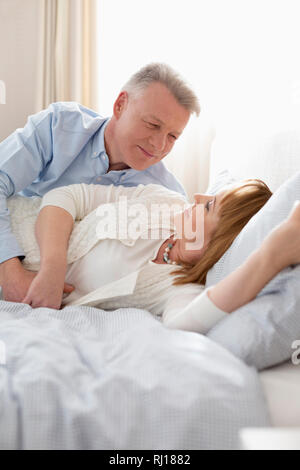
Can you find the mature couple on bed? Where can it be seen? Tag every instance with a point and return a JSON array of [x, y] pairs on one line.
[[75, 162]]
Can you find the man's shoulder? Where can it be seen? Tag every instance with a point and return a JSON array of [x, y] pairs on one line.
[[73, 107], [74, 116], [159, 174]]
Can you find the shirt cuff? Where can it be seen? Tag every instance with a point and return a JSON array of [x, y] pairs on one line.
[[200, 315], [206, 313], [10, 249]]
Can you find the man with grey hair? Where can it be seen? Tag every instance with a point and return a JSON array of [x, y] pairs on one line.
[[68, 143]]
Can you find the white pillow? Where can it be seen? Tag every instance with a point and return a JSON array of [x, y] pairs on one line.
[[273, 156], [223, 178], [262, 332]]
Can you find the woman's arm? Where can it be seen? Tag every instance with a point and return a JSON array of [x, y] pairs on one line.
[[243, 284], [280, 249], [59, 208], [52, 229], [201, 312], [191, 309], [81, 199]]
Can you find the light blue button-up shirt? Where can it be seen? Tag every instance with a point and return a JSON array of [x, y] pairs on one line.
[[61, 145]]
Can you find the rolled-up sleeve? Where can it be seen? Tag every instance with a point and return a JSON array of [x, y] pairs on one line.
[[192, 311]]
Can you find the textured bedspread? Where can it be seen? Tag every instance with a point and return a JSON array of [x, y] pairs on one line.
[[85, 378]]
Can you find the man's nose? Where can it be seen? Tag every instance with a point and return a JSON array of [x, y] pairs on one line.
[[158, 141]]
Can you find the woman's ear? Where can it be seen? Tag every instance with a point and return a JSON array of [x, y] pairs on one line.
[[120, 104]]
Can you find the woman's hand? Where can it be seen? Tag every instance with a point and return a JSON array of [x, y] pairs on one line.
[[283, 242], [47, 288]]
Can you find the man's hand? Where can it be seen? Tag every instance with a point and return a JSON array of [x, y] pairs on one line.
[[16, 281]]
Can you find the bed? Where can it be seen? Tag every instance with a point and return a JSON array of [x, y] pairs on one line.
[[85, 378], [281, 385]]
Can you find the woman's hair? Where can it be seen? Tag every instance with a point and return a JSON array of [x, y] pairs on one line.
[[236, 208], [163, 73]]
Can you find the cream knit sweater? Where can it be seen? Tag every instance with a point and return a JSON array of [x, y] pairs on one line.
[[81, 201], [153, 290]]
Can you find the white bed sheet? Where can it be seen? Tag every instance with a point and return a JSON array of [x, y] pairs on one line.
[[281, 385]]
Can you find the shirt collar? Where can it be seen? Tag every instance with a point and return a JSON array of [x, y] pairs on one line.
[[98, 147]]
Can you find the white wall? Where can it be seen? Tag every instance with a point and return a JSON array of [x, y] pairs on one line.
[[18, 61], [240, 56]]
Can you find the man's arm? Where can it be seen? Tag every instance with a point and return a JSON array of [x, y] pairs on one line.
[[9, 246], [23, 155]]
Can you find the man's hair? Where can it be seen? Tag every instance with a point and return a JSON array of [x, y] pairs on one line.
[[163, 73], [237, 206]]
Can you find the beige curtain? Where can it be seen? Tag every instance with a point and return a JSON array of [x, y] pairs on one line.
[[68, 44], [2, 92]]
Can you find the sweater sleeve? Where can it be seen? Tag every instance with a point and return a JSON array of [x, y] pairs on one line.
[[81, 199], [192, 311]]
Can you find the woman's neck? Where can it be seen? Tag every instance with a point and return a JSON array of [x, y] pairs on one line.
[[159, 257]]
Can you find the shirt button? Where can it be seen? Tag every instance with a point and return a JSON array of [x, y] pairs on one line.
[[103, 157], [99, 178], [95, 153]]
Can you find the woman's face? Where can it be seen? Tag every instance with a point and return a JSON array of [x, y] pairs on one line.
[[196, 225]]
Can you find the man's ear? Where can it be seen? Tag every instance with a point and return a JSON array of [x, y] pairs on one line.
[[120, 104]]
